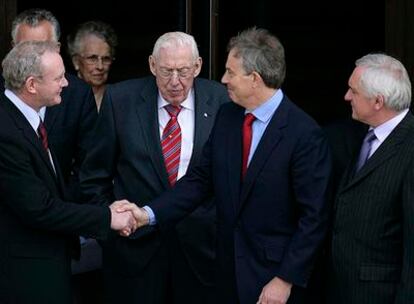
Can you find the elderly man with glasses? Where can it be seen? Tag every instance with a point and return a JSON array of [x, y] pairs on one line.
[[150, 131]]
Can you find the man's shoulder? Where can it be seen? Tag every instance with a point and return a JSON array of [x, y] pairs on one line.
[[77, 92], [8, 116], [298, 116], [210, 86], [133, 82], [133, 87]]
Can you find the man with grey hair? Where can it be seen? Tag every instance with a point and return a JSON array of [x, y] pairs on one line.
[[268, 165], [149, 132], [38, 228], [372, 246], [69, 122], [68, 125]]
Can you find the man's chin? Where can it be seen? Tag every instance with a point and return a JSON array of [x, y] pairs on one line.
[[55, 102], [176, 99]]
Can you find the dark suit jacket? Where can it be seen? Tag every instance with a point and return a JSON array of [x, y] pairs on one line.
[[37, 228], [68, 125], [126, 161], [344, 138], [272, 223], [373, 235]]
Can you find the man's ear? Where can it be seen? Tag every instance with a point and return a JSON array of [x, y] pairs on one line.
[[379, 102], [151, 62], [257, 79], [30, 85], [198, 64]]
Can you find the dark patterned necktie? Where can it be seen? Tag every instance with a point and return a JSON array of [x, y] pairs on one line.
[[171, 143], [41, 130], [247, 139]]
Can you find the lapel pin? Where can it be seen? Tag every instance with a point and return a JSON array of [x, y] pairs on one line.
[[205, 115]]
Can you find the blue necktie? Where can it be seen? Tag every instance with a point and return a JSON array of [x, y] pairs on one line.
[[365, 149]]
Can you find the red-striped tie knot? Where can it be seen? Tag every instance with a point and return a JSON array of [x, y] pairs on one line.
[[173, 110]]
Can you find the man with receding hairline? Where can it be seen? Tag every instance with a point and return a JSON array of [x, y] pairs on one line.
[[38, 228], [150, 131]]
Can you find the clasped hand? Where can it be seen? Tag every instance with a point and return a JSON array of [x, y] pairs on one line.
[[126, 217]]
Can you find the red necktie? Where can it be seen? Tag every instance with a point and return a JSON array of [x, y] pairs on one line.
[[247, 139], [41, 130], [171, 143]]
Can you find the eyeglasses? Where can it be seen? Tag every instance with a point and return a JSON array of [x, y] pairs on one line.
[[182, 73], [94, 59]]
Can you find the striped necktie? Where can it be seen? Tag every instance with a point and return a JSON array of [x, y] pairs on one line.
[[365, 149], [171, 143]]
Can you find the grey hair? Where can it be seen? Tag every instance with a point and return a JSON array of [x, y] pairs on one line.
[[33, 17], [386, 76], [260, 52], [99, 29], [175, 39], [24, 60]]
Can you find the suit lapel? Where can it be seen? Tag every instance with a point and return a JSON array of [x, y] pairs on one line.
[[234, 155], [28, 133], [203, 121], [267, 144], [385, 151], [147, 112]]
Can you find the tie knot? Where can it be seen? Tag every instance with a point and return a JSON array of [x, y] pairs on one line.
[[41, 128], [172, 110], [370, 136], [248, 119]]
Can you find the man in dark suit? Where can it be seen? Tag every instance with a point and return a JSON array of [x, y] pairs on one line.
[[68, 125], [372, 244], [38, 229], [269, 181], [344, 138], [130, 161]]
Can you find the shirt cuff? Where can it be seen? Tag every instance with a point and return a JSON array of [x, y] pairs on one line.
[[151, 215]]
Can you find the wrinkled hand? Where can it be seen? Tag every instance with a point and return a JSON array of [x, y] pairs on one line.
[[123, 221], [277, 291]]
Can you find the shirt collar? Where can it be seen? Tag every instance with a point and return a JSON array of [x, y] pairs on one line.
[[383, 130], [265, 111], [31, 115], [188, 103]]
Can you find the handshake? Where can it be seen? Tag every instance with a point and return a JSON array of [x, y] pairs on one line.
[[126, 217]]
